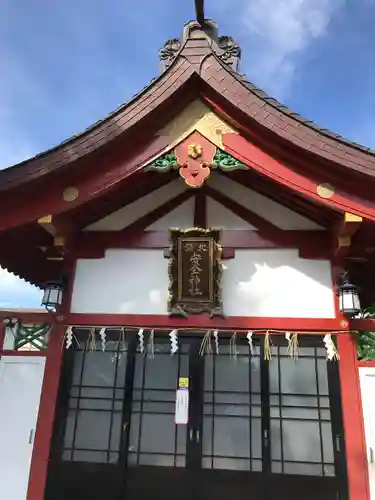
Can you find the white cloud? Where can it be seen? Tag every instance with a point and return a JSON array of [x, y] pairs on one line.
[[279, 31]]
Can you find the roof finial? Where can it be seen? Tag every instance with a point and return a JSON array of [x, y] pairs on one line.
[[199, 10]]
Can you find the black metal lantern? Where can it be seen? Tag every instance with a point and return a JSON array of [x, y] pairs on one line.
[[52, 297], [349, 302]]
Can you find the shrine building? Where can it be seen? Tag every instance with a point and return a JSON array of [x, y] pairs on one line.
[[206, 255]]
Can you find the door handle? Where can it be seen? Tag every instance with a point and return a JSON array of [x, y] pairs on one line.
[[198, 436], [371, 453], [191, 434], [338, 444], [31, 435], [265, 436], [125, 426]]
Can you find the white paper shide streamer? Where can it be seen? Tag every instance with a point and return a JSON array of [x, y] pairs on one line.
[[249, 337], [141, 339], [216, 339], [103, 338], [174, 341], [69, 337], [332, 353]]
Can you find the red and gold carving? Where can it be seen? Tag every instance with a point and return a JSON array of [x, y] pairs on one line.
[[194, 157]]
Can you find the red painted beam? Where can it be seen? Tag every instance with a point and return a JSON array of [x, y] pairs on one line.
[[366, 364], [26, 317], [363, 324], [311, 244], [193, 321], [200, 209], [252, 156], [91, 185], [311, 164]]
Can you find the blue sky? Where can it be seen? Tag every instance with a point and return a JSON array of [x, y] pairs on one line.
[[66, 64]]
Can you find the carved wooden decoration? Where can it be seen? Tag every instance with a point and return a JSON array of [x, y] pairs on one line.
[[194, 158], [195, 272]]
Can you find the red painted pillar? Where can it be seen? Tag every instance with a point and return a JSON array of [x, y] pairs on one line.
[[353, 419], [47, 407], [43, 434]]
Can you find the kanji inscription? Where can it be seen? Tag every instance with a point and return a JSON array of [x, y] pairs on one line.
[[195, 271]]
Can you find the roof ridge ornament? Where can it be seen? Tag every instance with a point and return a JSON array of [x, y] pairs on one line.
[[168, 53], [225, 47], [231, 51]]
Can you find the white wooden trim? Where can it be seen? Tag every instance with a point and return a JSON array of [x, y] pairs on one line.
[[20, 391], [367, 382]]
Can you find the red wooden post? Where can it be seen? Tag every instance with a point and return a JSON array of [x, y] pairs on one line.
[[353, 419], [47, 407], [43, 435]]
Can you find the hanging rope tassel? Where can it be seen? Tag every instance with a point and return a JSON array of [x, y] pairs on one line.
[[250, 340], [150, 349], [268, 347], [91, 341], [174, 341], [332, 353], [122, 340], [206, 347], [293, 345], [216, 338], [233, 346], [103, 338]]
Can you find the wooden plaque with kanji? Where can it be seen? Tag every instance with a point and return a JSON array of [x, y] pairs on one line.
[[195, 272]]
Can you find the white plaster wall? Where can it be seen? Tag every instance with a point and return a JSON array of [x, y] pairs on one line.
[[270, 283], [219, 217], [277, 283], [182, 217], [124, 282], [127, 215], [282, 217]]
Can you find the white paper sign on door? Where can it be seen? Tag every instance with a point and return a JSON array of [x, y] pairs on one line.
[[182, 406]]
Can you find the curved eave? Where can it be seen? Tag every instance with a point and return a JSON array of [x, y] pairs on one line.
[[262, 110], [288, 126], [120, 122]]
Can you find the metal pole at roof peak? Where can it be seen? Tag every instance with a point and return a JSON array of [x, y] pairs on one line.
[[199, 10]]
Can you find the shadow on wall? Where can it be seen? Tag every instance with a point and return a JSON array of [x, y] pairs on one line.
[[269, 283], [277, 283]]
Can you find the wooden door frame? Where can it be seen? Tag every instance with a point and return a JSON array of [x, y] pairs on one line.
[[350, 394]]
